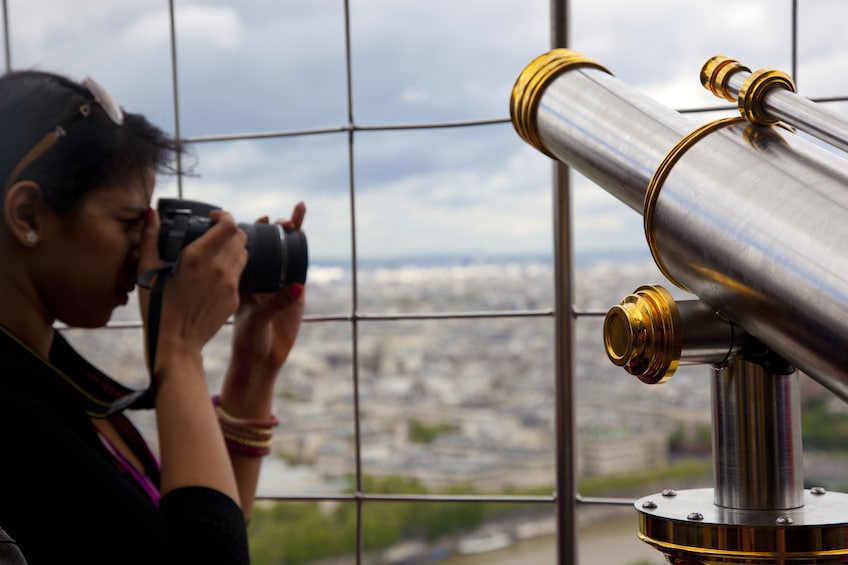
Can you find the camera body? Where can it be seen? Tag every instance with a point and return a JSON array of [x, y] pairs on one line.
[[276, 258]]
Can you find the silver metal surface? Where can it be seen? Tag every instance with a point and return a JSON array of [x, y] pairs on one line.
[[609, 131], [566, 434], [798, 111], [757, 454], [816, 510], [175, 95], [707, 337], [690, 528], [7, 48], [752, 220]]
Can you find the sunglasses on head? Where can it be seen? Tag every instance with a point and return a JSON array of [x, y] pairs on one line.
[[99, 96]]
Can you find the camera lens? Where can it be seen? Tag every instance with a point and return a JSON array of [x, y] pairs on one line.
[[298, 257], [275, 258]]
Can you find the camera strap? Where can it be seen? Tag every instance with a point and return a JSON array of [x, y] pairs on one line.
[[154, 280], [66, 372]]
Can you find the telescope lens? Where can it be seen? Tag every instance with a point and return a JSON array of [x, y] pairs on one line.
[[618, 336]]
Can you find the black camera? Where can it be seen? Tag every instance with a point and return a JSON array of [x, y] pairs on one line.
[[275, 257]]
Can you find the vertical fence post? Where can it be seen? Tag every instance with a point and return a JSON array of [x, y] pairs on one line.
[[566, 500]]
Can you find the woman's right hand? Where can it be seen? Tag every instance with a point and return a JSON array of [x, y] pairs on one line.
[[197, 300], [203, 291]]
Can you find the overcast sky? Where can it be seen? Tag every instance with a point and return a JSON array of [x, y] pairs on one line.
[[267, 65]]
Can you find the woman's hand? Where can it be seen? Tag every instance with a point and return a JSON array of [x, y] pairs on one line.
[[266, 324], [197, 299], [264, 331], [203, 291]]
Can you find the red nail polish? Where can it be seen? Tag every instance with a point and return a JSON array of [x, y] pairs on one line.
[[295, 291]]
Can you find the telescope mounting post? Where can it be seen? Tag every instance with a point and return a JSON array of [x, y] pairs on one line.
[[758, 510]]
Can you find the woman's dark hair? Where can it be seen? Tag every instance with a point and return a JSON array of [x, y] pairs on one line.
[[95, 152]]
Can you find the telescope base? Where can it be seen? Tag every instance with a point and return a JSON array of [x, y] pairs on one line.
[[688, 527]]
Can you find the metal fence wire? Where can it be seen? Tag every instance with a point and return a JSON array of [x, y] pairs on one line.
[[566, 500]]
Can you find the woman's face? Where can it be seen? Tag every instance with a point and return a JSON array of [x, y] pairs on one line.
[[90, 256]]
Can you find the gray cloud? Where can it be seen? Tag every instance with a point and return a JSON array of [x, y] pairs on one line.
[[278, 65]]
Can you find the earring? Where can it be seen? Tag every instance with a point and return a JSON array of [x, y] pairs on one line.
[[31, 238]]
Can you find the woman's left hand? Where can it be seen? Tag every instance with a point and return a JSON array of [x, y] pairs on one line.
[[266, 324], [264, 332]]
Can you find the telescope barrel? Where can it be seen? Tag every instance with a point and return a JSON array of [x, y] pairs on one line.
[[751, 219], [581, 121], [767, 96]]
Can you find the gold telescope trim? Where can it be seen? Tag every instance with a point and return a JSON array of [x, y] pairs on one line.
[[715, 73], [643, 334], [716, 556], [754, 89], [655, 186], [530, 85]]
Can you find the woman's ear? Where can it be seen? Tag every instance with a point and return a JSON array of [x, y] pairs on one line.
[[21, 205]]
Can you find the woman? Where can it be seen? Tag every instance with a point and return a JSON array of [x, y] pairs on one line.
[[77, 230]]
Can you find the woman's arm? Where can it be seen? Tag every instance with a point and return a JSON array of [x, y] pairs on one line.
[[69, 504], [197, 300], [264, 332]]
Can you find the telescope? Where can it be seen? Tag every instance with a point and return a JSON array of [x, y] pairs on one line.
[[749, 215]]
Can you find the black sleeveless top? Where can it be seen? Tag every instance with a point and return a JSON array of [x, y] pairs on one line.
[[62, 497]]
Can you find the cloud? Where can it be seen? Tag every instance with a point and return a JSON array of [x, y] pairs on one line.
[[660, 46], [267, 65], [460, 59], [450, 184], [216, 28], [600, 223]]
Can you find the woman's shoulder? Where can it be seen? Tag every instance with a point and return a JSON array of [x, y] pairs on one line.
[[10, 553]]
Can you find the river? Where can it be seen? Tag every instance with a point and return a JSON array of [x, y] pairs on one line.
[[607, 536], [607, 542]]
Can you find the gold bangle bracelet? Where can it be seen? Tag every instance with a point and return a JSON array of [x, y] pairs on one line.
[[260, 444], [246, 433]]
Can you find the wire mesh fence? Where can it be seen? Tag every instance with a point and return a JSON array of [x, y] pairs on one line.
[[554, 318]]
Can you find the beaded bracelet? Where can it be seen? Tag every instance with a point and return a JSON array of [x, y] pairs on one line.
[[250, 437]]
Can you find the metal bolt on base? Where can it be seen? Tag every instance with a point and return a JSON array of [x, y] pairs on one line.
[[815, 533]]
